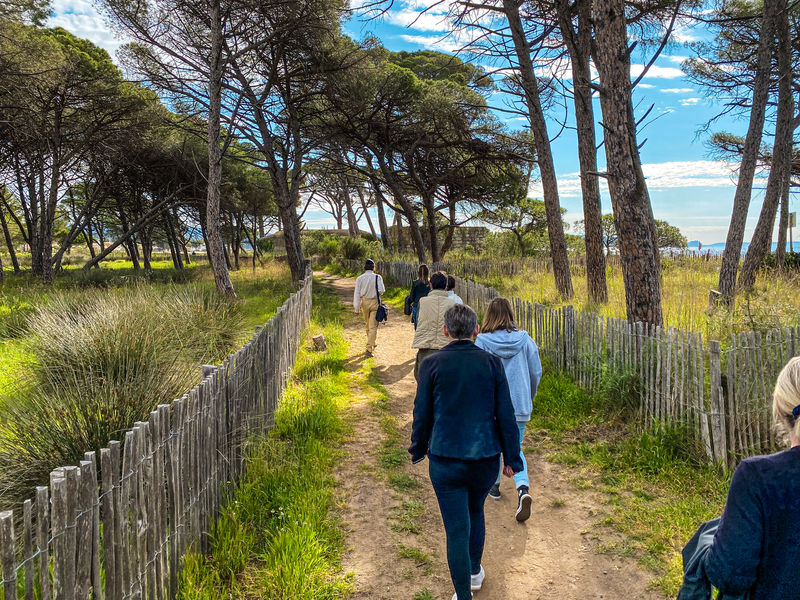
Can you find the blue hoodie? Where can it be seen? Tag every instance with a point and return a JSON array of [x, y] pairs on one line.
[[520, 358]]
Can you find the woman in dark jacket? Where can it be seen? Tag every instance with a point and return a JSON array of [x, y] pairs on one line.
[[756, 548], [463, 421], [419, 289]]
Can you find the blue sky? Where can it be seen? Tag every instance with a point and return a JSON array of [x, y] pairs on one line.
[[687, 187]]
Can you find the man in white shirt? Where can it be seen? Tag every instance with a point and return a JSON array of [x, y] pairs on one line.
[[365, 300]]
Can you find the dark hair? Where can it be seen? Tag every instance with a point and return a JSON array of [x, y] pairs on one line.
[[369, 264], [438, 281], [451, 282], [498, 316], [460, 321], [423, 274]]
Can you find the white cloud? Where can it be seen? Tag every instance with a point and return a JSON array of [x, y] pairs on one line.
[[689, 101], [81, 18], [676, 58], [434, 42], [646, 86], [677, 90], [418, 21], [660, 176], [656, 72]]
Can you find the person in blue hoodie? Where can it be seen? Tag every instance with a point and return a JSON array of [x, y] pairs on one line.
[[520, 357]]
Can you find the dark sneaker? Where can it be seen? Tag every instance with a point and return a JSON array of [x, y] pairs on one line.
[[494, 492], [524, 506]]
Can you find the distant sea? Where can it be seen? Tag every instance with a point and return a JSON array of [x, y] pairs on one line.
[[720, 246]]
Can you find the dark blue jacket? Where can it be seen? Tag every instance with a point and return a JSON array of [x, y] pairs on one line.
[[757, 545], [463, 407]]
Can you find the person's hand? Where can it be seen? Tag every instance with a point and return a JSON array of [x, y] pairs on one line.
[[508, 471]]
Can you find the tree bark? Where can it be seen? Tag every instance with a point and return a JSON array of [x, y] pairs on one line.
[[783, 226], [579, 48], [362, 200], [632, 211], [778, 182], [12, 253], [398, 223], [347, 200], [747, 168], [399, 196], [382, 225], [555, 227], [433, 228], [222, 278]]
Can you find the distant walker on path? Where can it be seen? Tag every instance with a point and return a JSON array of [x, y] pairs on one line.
[[428, 337], [463, 421], [365, 301]]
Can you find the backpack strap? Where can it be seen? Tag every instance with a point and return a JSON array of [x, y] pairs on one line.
[[377, 293]]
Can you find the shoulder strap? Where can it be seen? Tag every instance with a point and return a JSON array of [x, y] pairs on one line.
[[377, 293]]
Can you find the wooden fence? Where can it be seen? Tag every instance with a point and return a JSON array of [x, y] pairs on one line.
[[117, 527], [721, 392]]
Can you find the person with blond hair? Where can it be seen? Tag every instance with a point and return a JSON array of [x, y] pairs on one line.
[[756, 547], [520, 357]]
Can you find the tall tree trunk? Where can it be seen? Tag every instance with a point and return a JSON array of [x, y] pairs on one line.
[[632, 211], [451, 228], [12, 253], [778, 182], [783, 226], [398, 223], [291, 232], [579, 48], [347, 200], [222, 278], [362, 200], [385, 241], [433, 228], [555, 227], [399, 197], [747, 168]]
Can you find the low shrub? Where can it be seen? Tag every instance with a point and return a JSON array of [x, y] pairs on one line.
[[102, 361]]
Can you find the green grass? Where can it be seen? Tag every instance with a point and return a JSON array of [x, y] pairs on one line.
[[655, 487], [425, 594], [83, 359], [278, 536]]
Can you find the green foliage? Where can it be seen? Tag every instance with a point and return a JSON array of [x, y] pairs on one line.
[[265, 245], [791, 261]]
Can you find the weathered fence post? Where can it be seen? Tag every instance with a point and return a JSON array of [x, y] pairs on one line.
[[718, 434]]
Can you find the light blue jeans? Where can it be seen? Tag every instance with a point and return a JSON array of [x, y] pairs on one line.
[[520, 478]]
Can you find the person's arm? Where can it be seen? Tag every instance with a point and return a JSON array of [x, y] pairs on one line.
[[732, 562], [506, 422], [534, 367], [356, 298], [381, 287], [423, 413]]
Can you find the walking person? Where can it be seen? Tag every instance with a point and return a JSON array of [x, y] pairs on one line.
[[463, 422], [419, 289], [520, 357], [755, 551], [429, 337], [365, 301], [451, 290]]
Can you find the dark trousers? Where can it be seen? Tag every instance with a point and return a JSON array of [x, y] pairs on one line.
[[422, 353], [461, 488]]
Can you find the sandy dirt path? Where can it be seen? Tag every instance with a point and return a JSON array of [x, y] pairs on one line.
[[553, 556]]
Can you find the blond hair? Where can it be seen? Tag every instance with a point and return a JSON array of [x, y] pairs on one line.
[[786, 398]]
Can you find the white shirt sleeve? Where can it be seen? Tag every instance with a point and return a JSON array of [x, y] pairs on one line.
[[357, 296], [381, 287]]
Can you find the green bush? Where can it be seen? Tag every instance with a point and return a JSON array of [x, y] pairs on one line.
[[102, 361]]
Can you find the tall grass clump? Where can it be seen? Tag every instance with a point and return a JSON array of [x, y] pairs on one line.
[[277, 537], [102, 360]]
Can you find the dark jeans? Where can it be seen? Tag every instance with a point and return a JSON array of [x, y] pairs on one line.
[[461, 488], [422, 353]]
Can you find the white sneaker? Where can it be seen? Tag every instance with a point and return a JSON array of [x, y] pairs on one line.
[[477, 580], [455, 596]]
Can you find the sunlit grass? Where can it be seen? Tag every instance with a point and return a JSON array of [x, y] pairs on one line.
[[278, 536], [655, 489], [685, 287]]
